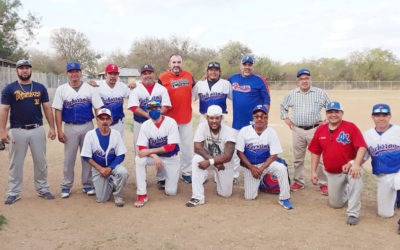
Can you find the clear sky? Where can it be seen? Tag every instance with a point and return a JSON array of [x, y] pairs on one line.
[[284, 31]]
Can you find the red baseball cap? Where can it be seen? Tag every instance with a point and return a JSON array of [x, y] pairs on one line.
[[112, 68]]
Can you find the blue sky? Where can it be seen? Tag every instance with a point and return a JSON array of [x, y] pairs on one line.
[[282, 30]]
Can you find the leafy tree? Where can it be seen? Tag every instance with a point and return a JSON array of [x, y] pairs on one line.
[[72, 45], [10, 23]]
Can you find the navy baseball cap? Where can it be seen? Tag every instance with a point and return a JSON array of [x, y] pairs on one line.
[[215, 65], [248, 59], [146, 67], [381, 108], [334, 106], [73, 66], [23, 63], [260, 108], [303, 72]]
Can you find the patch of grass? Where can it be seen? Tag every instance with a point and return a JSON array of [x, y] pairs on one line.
[[3, 221]]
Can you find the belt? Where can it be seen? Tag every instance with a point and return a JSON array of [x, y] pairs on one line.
[[309, 127], [76, 123], [29, 126]]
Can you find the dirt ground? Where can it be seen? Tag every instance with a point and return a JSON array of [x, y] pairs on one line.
[[222, 223]]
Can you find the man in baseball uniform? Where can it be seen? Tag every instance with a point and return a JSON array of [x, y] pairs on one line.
[[113, 93], [214, 145], [73, 103], [342, 147], [158, 144], [212, 91], [383, 145], [248, 90], [179, 84], [24, 100], [305, 103], [258, 147], [104, 149]]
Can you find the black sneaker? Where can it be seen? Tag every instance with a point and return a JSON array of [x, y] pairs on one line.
[[2, 145], [194, 202], [47, 196], [161, 185], [12, 199]]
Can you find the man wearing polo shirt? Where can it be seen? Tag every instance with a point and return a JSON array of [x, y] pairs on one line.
[[306, 103], [73, 103]]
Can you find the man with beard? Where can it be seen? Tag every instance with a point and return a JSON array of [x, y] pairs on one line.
[[24, 99], [179, 84]]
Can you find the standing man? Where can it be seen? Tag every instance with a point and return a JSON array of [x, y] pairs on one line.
[[212, 91], [342, 147], [214, 145], [248, 90], [104, 149], [258, 147], [73, 103], [179, 84], [306, 103], [113, 93], [24, 100], [383, 143], [158, 144]]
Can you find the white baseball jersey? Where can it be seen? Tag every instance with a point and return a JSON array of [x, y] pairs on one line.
[[217, 95], [257, 148], [139, 97], [76, 106], [152, 137], [384, 150], [214, 144], [92, 149], [113, 98]]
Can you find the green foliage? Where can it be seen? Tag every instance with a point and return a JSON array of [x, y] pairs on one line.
[[3, 221], [10, 23]]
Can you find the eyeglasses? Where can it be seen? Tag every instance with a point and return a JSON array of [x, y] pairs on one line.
[[260, 116]]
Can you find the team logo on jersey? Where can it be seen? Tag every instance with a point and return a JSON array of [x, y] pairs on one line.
[[179, 83], [19, 95], [343, 138], [158, 142], [244, 88], [383, 148], [37, 102], [79, 101], [257, 147], [112, 100], [211, 96]]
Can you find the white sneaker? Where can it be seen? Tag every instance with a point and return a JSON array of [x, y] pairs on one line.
[[65, 193], [119, 201], [89, 191]]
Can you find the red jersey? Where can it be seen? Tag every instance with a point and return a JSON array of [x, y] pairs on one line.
[[337, 147], [180, 92]]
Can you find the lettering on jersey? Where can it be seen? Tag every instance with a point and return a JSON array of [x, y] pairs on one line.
[[143, 101], [37, 101], [99, 154], [112, 100], [211, 96], [244, 88], [71, 103], [19, 95], [179, 83], [383, 148], [343, 138], [257, 147], [158, 142]]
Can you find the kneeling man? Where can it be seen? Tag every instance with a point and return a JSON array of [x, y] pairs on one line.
[[104, 149], [214, 145]]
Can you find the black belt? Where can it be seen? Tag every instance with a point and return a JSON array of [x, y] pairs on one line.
[[76, 123], [29, 126], [308, 127]]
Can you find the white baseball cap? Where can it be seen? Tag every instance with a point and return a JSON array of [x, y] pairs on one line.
[[104, 111], [214, 110]]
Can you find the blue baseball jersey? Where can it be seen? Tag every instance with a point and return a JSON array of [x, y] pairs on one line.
[[25, 102], [247, 92], [217, 95], [384, 149], [76, 106], [258, 148]]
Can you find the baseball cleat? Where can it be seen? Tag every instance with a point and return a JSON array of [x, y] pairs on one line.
[[161, 185], [12, 199], [89, 191], [194, 202], [286, 204], [47, 195], [352, 220], [187, 179], [296, 186], [141, 200], [119, 201], [65, 193], [324, 189]]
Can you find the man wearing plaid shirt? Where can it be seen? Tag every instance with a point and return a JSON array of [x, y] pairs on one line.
[[306, 103]]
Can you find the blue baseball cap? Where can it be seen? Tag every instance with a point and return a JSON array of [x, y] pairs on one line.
[[153, 104], [381, 108], [246, 59], [334, 106], [23, 62], [73, 66], [303, 72], [260, 108]]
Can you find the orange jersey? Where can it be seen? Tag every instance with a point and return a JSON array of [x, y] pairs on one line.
[[180, 92]]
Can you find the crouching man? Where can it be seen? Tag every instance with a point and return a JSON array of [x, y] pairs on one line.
[[214, 145], [104, 149]]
